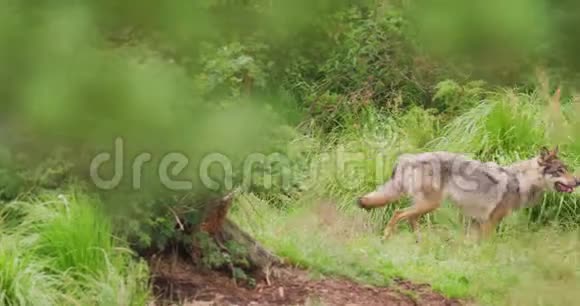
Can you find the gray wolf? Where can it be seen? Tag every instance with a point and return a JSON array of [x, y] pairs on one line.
[[484, 191]]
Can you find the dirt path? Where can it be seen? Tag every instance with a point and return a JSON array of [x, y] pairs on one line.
[[181, 282]]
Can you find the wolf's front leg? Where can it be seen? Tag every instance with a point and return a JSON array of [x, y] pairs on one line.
[[486, 229]]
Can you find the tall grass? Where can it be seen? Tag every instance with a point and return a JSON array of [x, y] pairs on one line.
[[61, 251], [532, 261], [23, 280], [508, 127], [77, 237], [504, 123], [505, 126]]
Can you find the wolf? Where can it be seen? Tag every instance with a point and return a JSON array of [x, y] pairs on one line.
[[485, 192]]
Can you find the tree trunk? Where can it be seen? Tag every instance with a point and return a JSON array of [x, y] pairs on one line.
[[221, 229]]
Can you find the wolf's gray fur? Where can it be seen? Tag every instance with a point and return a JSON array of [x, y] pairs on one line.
[[484, 191]]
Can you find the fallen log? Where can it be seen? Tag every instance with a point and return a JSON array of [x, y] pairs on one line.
[[258, 255]]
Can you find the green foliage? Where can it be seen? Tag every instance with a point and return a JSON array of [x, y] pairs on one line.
[[419, 125], [364, 79], [230, 255], [215, 256], [81, 94], [498, 41], [50, 172], [23, 280], [78, 237], [61, 250], [234, 68], [150, 226], [371, 64], [370, 58], [452, 98], [503, 42], [505, 123]]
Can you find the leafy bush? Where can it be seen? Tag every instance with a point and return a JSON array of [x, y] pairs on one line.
[[371, 63], [235, 69], [230, 256], [451, 98]]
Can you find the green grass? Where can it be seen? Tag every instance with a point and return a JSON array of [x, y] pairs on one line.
[[63, 251], [78, 237], [23, 280], [517, 267], [534, 259], [59, 251]]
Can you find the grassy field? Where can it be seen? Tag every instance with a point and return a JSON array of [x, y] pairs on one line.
[[520, 266]]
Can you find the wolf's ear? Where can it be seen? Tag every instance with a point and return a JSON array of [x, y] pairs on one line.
[[544, 156], [544, 152], [555, 151]]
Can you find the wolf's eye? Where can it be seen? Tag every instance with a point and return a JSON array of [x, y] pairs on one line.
[[561, 171]]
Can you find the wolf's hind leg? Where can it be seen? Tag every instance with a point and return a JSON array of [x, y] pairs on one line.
[[421, 206], [386, 195]]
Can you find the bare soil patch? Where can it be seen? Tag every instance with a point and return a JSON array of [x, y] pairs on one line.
[[179, 283]]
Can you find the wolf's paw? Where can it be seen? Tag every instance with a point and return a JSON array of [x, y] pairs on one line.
[[386, 236], [418, 239]]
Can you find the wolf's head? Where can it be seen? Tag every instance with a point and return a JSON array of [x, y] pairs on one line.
[[555, 173]]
